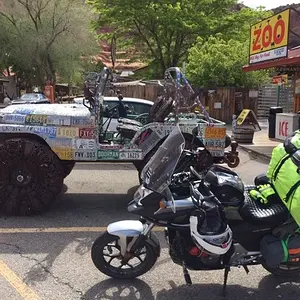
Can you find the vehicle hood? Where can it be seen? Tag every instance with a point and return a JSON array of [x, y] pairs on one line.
[[55, 110], [69, 110], [15, 102]]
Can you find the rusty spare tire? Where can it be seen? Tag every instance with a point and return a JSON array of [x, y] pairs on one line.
[[31, 176]]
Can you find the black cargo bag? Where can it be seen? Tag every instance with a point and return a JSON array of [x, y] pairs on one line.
[[276, 251]]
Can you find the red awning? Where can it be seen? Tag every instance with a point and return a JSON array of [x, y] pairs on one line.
[[292, 59]]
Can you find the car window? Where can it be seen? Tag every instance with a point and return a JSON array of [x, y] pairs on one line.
[[110, 104], [29, 96], [135, 108]]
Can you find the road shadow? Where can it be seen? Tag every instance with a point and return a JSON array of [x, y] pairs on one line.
[[87, 208], [104, 166], [120, 290], [269, 288]]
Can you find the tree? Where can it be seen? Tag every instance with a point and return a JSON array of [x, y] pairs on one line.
[[237, 26], [44, 38], [163, 30], [217, 62]]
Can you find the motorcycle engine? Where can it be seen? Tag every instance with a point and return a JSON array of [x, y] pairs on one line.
[[183, 248], [206, 258]]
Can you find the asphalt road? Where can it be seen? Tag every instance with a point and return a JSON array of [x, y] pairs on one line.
[[48, 256]]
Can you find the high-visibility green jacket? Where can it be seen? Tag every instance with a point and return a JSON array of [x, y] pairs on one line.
[[284, 173]]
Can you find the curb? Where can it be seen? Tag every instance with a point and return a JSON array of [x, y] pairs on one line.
[[245, 148], [259, 154]]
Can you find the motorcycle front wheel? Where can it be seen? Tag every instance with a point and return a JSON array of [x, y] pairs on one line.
[[107, 258]]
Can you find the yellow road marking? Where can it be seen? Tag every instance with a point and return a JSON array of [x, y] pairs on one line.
[[60, 229], [23, 289]]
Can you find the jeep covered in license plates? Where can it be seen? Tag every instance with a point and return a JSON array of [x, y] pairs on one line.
[[39, 144]]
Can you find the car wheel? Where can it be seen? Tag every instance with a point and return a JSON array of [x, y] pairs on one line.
[[31, 176]]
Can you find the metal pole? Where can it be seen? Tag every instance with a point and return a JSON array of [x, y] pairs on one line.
[[277, 95]]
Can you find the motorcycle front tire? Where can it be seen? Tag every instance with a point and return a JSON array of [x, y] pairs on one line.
[[102, 265]]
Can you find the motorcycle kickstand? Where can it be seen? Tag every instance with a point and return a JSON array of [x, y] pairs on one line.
[[227, 270], [186, 274]]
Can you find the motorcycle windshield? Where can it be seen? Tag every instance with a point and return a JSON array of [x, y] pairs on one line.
[[158, 172]]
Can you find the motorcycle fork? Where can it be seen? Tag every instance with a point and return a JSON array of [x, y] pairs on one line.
[[128, 249]]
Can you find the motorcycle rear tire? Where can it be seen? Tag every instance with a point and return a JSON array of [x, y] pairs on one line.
[[279, 272], [102, 265]]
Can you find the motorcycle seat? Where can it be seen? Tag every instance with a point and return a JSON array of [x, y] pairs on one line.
[[261, 179], [255, 212], [130, 122]]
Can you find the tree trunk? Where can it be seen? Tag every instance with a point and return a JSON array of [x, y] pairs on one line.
[[51, 69]]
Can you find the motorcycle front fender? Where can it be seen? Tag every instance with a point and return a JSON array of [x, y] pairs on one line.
[[131, 228], [125, 228]]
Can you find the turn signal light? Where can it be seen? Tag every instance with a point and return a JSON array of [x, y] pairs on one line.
[[162, 204]]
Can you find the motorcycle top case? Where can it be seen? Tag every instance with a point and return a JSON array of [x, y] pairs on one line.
[[284, 173]]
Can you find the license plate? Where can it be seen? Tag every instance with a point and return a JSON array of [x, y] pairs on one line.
[[67, 132], [64, 154], [59, 121], [215, 133], [216, 153], [36, 119], [130, 155], [85, 155], [215, 143], [108, 154]]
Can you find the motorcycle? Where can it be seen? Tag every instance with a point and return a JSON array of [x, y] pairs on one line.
[[194, 211]]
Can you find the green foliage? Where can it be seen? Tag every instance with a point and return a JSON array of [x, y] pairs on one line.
[[162, 30], [44, 38], [237, 26], [218, 62]]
